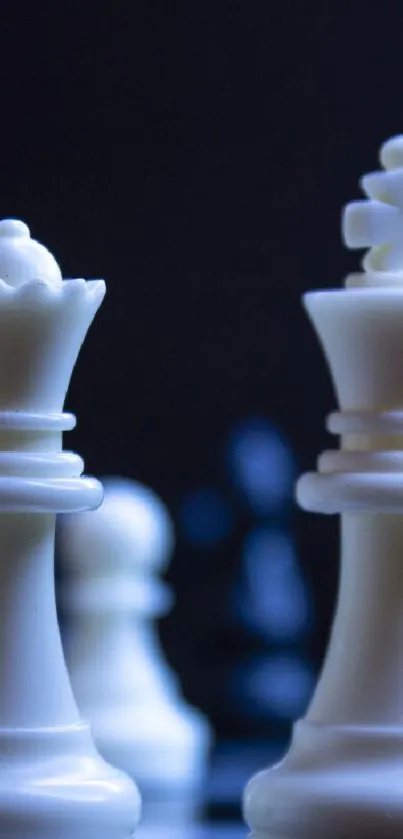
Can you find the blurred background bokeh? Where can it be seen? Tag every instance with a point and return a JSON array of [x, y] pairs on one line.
[[196, 155]]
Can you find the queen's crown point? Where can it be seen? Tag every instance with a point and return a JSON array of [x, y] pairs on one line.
[[23, 259], [10, 228], [391, 153]]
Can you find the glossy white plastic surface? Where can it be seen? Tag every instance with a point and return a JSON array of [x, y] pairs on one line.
[[112, 597], [342, 774], [53, 783]]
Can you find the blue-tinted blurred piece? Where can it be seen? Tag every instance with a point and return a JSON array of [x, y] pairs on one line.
[[273, 599], [205, 517], [281, 684], [261, 464]]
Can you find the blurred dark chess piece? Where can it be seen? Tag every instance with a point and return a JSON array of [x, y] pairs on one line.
[[259, 674]]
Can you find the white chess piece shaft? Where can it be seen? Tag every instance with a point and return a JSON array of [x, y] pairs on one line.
[[111, 597], [341, 776], [35, 686], [53, 783]]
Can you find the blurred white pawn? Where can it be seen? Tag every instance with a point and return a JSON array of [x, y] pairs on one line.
[[121, 681]]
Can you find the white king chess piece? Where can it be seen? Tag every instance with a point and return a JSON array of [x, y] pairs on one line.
[[53, 783], [111, 596], [342, 777]]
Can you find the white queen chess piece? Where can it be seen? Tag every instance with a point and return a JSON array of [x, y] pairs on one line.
[[110, 597], [342, 775], [53, 783]]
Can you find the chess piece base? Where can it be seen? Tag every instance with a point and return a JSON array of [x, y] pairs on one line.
[[336, 782], [49, 779]]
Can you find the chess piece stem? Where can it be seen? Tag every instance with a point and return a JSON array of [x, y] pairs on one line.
[[30, 648]]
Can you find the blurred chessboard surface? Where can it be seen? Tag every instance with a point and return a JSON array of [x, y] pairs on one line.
[[207, 831]]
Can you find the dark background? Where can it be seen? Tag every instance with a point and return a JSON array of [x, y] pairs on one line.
[[197, 154]]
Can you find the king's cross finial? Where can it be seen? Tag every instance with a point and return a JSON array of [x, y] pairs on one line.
[[377, 223]]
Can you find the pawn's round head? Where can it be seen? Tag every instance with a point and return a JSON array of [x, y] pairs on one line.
[[132, 527], [23, 259]]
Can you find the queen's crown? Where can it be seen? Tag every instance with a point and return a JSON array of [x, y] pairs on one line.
[[43, 322]]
